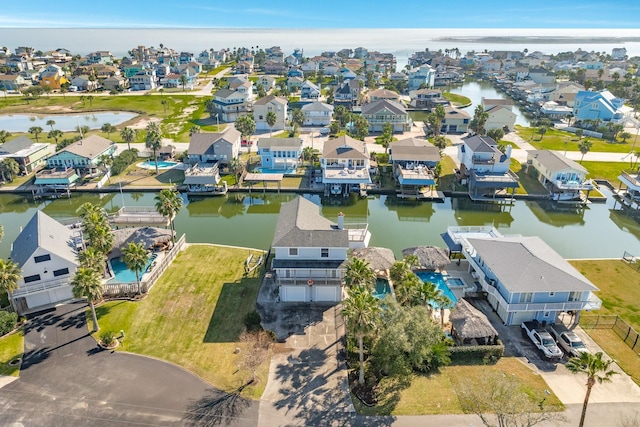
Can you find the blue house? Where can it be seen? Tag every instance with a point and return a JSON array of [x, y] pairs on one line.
[[598, 105], [295, 72], [280, 154], [523, 277]]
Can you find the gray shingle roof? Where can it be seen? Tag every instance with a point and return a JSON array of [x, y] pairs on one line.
[[44, 232], [301, 225], [202, 142], [554, 161], [90, 147], [15, 145], [344, 147], [415, 149], [481, 144], [269, 98], [528, 264], [280, 143], [383, 104]]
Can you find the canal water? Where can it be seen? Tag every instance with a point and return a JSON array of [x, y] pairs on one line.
[[597, 231], [64, 122]]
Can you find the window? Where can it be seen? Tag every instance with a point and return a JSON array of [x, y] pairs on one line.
[[60, 272], [324, 253], [525, 297], [552, 294], [33, 278], [293, 251], [42, 258], [575, 296], [547, 314]]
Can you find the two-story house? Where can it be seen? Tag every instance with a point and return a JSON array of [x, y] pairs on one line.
[[28, 154], [414, 162], [380, 94], [564, 178], [12, 82], [345, 166], [426, 99], [143, 80], [485, 168], [230, 104], [294, 83], [310, 252], [455, 120], [384, 111], [309, 90], [270, 104], [603, 106], [317, 114], [100, 57], [523, 277], [279, 154], [347, 93], [83, 156], [45, 251], [205, 147], [54, 79]]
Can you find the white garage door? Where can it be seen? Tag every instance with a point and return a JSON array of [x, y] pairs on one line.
[[62, 294], [293, 294], [327, 293], [36, 300]]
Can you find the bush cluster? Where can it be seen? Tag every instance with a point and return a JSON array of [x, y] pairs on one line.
[[108, 338], [252, 321], [476, 353], [123, 160], [8, 322]]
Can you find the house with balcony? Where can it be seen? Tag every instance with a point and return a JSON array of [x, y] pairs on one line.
[[603, 106], [523, 278], [270, 104], [203, 178], [500, 117], [294, 83], [317, 114], [143, 80], [345, 166], [46, 252], [426, 99], [310, 252], [100, 57], [486, 169], [309, 90], [414, 162], [455, 121], [629, 189], [230, 104], [212, 147], [564, 178], [347, 94], [28, 154], [280, 154], [83, 156], [385, 111], [379, 94]]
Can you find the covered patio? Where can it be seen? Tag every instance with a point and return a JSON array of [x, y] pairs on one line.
[[428, 257], [469, 326], [380, 259]]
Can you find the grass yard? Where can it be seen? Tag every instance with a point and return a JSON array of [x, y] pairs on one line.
[[606, 170], [136, 176], [418, 116], [11, 347], [611, 343], [193, 316], [528, 183], [447, 181], [457, 100], [436, 393], [555, 139]]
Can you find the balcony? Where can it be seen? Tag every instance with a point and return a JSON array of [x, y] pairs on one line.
[[30, 288], [632, 180]]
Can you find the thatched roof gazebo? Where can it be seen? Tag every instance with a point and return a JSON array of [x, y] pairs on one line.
[[150, 237], [429, 257], [380, 259], [470, 326]]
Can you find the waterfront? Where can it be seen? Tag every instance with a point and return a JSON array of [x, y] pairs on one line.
[[240, 220], [63, 122]]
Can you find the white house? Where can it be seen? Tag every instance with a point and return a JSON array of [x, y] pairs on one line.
[[345, 165], [500, 118], [46, 252], [564, 178], [270, 103], [317, 114]]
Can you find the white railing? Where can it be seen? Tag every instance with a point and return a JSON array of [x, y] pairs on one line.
[[39, 287]]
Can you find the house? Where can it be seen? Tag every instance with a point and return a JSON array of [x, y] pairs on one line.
[[414, 162], [309, 90], [455, 121], [330, 68], [309, 67], [426, 99], [485, 168], [84, 83], [310, 252], [12, 82], [554, 111], [100, 57], [28, 154], [384, 111], [347, 74], [275, 67], [230, 104], [421, 77], [265, 105], [564, 178], [143, 80], [116, 83], [243, 67], [378, 94], [541, 75], [54, 79], [347, 93], [244, 87], [523, 277], [267, 82], [204, 177], [46, 252], [83, 156], [205, 147], [317, 114], [294, 83], [279, 154], [618, 53], [603, 106], [500, 117], [565, 93], [345, 165], [174, 80]]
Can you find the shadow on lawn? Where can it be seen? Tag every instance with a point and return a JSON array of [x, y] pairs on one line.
[[235, 301]]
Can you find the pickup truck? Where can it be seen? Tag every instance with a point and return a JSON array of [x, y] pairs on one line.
[[568, 340], [541, 339]]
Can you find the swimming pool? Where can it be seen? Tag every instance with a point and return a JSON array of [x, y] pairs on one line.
[[454, 282], [121, 274], [150, 164], [290, 171], [382, 288], [438, 280]]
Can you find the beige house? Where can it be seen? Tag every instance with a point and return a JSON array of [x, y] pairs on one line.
[[270, 103], [28, 154], [384, 111], [500, 117], [379, 94], [564, 178], [455, 121]]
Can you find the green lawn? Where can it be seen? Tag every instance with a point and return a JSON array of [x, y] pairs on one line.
[[528, 183], [11, 347], [436, 393], [447, 180], [457, 100], [418, 116], [193, 316], [560, 140], [606, 170]]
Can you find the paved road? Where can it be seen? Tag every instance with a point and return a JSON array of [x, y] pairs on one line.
[[67, 381]]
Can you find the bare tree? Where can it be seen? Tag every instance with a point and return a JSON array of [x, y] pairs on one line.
[[254, 351]]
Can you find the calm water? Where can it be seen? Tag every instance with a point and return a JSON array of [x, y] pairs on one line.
[[64, 122], [237, 219]]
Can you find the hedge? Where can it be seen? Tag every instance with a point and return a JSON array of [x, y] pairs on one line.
[[8, 322], [467, 353]]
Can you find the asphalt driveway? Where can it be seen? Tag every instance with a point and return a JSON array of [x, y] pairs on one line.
[[66, 380]]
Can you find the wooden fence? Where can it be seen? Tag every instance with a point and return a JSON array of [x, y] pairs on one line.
[[626, 333]]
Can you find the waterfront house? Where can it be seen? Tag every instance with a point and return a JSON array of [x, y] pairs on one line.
[[422, 77], [345, 165], [455, 121], [485, 168], [317, 114], [310, 252], [294, 83], [414, 161], [309, 90], [379, 94], [83, 156], [541, 75], [385, 111], [100, 57], [12, 82], [618, 53], [28, 154], [230, 104], [426, 99], [265, 105], [206, 147], [564, 178], [523, 277], [500, 117], [204, 177], [279, 154], [603, 106], [555, 111], [45, 251]]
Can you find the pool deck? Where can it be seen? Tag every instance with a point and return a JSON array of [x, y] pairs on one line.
[[459, 271]]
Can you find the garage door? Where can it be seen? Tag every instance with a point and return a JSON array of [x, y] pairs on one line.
[[62, 294], [36, 300], [326, 293], [293, 294], [523, 316]]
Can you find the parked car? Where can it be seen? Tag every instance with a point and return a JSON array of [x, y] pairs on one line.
[[541, 339], [246, 142], [568, 340]]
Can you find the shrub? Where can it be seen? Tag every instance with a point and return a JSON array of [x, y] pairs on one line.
[[123, 160], [252, 321], [8, 322], [475, 353], [108, 338]]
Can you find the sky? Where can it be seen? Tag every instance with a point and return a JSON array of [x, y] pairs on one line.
[[321, 14]]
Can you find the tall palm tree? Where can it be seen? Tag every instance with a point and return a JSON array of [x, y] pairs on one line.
[[596, 368], [9, 277], [136, 257], [55, 134], [359, 273], [87, 283], [128, 135], [108, 128], [361, 312], [443, 302], [51, 123], [169, 203], [101, 238], [584, 148], [36, 131], [271, 121], [92, 258], [236, 168], [153, 142]]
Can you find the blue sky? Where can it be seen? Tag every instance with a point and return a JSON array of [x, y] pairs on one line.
[[322, 14]]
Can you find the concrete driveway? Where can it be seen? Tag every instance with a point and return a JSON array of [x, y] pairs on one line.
[[66, 380]]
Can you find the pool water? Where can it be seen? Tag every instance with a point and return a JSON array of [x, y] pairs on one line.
[[289, 171], [122, 274], [150, 164], [382, 288], [454, 282], [438, 280]]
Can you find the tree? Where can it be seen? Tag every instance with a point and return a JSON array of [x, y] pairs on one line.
[[361, 127], [10, 274], [246, 126], [297, 116], [183, 81], [584, 148], [495, 134], [236, 168], [542, 130], [92, 258], [255, 349], [153, 141], [194, 129], [136, 257], [440, 142], [35, 130], [55, 134], [579, 133], [128, 135], [358, 272], [271, 121], [90, 98], [624, 136], [4, 135], [361, 312], [436, 118], [108, 128], [9, 168], [51, 123], [308, 154], [168, 203], [479, 120], [443, 302], [86, 282], [387, 136], [597, 370]]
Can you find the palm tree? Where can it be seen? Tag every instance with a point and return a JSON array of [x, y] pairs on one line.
[[9, 277], [271, 121], [55, 134], [443, 302], [584, 148], [153, 141], [4, 135], [92, 258], [136, 257], [108, 128], [183, 81], [169, 203], [86, 282], [359, 273], [236, 168], [9, 168], [128, 135], [51, 123], [596, 368], [360, 310], [35, 130]]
